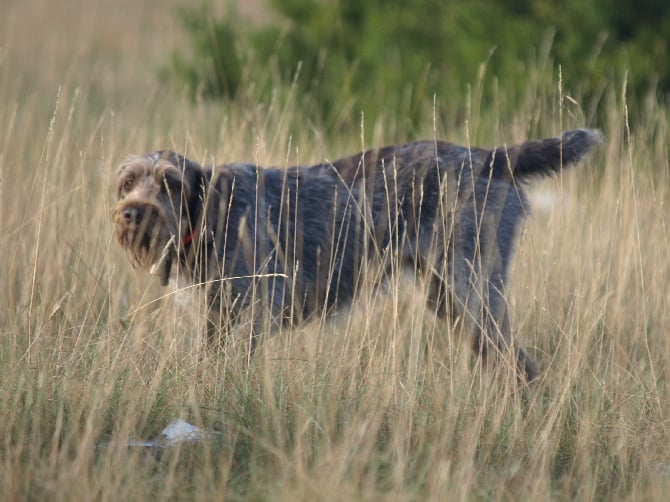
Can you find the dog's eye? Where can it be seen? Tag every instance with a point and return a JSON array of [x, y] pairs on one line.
[[127, 185]]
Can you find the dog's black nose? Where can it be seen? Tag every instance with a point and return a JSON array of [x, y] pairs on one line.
[[133, 215]]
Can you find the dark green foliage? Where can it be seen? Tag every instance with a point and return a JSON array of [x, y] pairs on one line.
[[394, 55], [213, 68]]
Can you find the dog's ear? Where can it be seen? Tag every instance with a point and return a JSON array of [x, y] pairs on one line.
[[191, 177], [218, 199], [197, 180], [194, 186]]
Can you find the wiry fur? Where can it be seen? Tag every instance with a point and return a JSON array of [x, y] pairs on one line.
[[286, 243]]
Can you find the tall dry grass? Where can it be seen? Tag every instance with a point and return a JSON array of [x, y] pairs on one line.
[[381, 402]]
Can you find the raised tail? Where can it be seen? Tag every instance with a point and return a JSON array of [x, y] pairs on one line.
[[546, 156]]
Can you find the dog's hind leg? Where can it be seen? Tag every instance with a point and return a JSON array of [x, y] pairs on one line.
[[482, 309], [494, 329]]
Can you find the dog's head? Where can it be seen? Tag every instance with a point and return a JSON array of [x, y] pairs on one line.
[[159, 196]]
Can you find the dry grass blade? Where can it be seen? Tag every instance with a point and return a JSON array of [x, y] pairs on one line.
[[380, 403]]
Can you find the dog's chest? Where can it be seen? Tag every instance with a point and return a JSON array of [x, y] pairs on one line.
[[184, 291]]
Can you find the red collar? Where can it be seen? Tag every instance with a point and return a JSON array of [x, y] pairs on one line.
[[188, 238]]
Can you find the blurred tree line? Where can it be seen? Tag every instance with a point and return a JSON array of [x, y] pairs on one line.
[[394, 55]]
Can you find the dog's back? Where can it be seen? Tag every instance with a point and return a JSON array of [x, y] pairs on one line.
[[531, 158]]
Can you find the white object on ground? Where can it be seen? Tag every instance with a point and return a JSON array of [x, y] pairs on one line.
[[178, 431]]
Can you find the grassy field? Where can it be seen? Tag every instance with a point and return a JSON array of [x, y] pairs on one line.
[[381, 403]]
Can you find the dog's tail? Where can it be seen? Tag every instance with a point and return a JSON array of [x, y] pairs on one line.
[[546, 156]]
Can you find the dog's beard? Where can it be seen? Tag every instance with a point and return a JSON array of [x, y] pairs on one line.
[[147, 244]]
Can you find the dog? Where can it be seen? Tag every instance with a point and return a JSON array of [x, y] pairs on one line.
[[287, 243]]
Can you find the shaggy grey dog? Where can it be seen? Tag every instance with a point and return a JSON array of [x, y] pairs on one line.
[[285, 244]]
